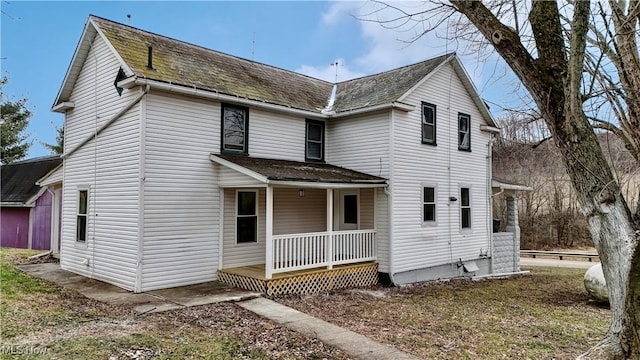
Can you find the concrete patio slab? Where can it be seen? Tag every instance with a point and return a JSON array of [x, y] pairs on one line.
[[146, 302]]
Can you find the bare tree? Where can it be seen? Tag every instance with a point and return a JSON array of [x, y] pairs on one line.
[[547, 51]]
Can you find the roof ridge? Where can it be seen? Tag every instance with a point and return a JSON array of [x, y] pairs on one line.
[[446, 55], [210, 50]]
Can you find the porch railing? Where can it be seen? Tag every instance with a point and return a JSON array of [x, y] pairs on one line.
[[293, 252]]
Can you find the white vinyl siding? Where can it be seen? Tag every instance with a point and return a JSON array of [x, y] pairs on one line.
[[416, 246], [276, 136], [293, 214], [182, 200], [108, 165], [360, 143]]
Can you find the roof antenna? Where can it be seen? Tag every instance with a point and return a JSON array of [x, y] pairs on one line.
[[129, 17], [336, 65], [253, 46]]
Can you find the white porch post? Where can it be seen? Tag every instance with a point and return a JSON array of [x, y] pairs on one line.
[[329, 248], [268, 266]]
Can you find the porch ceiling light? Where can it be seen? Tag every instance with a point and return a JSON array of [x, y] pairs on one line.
[[301, 192]]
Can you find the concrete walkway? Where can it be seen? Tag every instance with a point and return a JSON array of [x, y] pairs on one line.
[[354, 344]]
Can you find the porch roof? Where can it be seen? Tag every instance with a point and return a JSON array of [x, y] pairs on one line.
[[502, 184], [296, 173]]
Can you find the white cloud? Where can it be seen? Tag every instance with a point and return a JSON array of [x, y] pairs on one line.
[[328, 72], [388, 46]]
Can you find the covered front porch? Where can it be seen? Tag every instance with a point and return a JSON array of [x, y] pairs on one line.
[[291, 227]]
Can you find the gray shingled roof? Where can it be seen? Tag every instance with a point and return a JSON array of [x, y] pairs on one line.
[[19, 179], [383, 88], [185, 64], [181, 63], [285, 170]]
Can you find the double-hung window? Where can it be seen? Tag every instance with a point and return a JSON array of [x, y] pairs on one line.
[[235, 129], [428, 123], [247, 217], [314, 141], [82, 215], [465, 208], [428, 204], [464, 133]]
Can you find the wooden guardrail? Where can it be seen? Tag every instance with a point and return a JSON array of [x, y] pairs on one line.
[[559, 254]]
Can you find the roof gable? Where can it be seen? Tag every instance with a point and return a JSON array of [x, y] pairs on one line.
[[385, 87], [19, 179]]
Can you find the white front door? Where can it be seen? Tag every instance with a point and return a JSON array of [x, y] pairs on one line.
[[347, 214]]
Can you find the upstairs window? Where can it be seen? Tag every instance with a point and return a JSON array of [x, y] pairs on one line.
[[235, 129], [428, 204], [315, 141], [464, 135], [465, 208], [428, 123], [81, 215]]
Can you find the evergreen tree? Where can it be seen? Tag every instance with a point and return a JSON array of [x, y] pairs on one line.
[[14, 119]]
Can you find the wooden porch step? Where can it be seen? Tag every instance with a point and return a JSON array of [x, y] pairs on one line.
[[301, 282]]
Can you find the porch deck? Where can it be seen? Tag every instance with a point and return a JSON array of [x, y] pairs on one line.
[[306, 281]]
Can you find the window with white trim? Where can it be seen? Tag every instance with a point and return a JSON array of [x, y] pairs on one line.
[[464, 133], [235, 129], [82, 215], [428, 123], [314, 141], [465, 208], [428, 204], [247, 217]]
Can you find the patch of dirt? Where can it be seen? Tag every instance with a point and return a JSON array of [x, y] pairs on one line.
[[93, 328]]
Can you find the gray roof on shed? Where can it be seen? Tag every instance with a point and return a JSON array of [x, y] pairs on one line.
[[19, 178]]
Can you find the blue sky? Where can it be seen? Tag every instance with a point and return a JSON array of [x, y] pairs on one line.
[[38, 40]]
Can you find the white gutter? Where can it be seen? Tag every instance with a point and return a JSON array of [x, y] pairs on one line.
[[325, 185], [393, 105], [194, 91], [16, 204], [106, 124], [491, 129]]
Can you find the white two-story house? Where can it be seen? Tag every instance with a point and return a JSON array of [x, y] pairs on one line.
[[184, 165]]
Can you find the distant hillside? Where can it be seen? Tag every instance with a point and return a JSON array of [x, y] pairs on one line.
[[549, 215]]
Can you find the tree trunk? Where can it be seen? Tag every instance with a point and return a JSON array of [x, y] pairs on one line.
[[553, 80]]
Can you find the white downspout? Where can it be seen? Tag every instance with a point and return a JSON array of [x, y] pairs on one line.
[[141, 192], [490, 201], [388, 191]]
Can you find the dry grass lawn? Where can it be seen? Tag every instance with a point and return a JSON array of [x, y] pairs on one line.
[[545, 315], [41, 321]]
